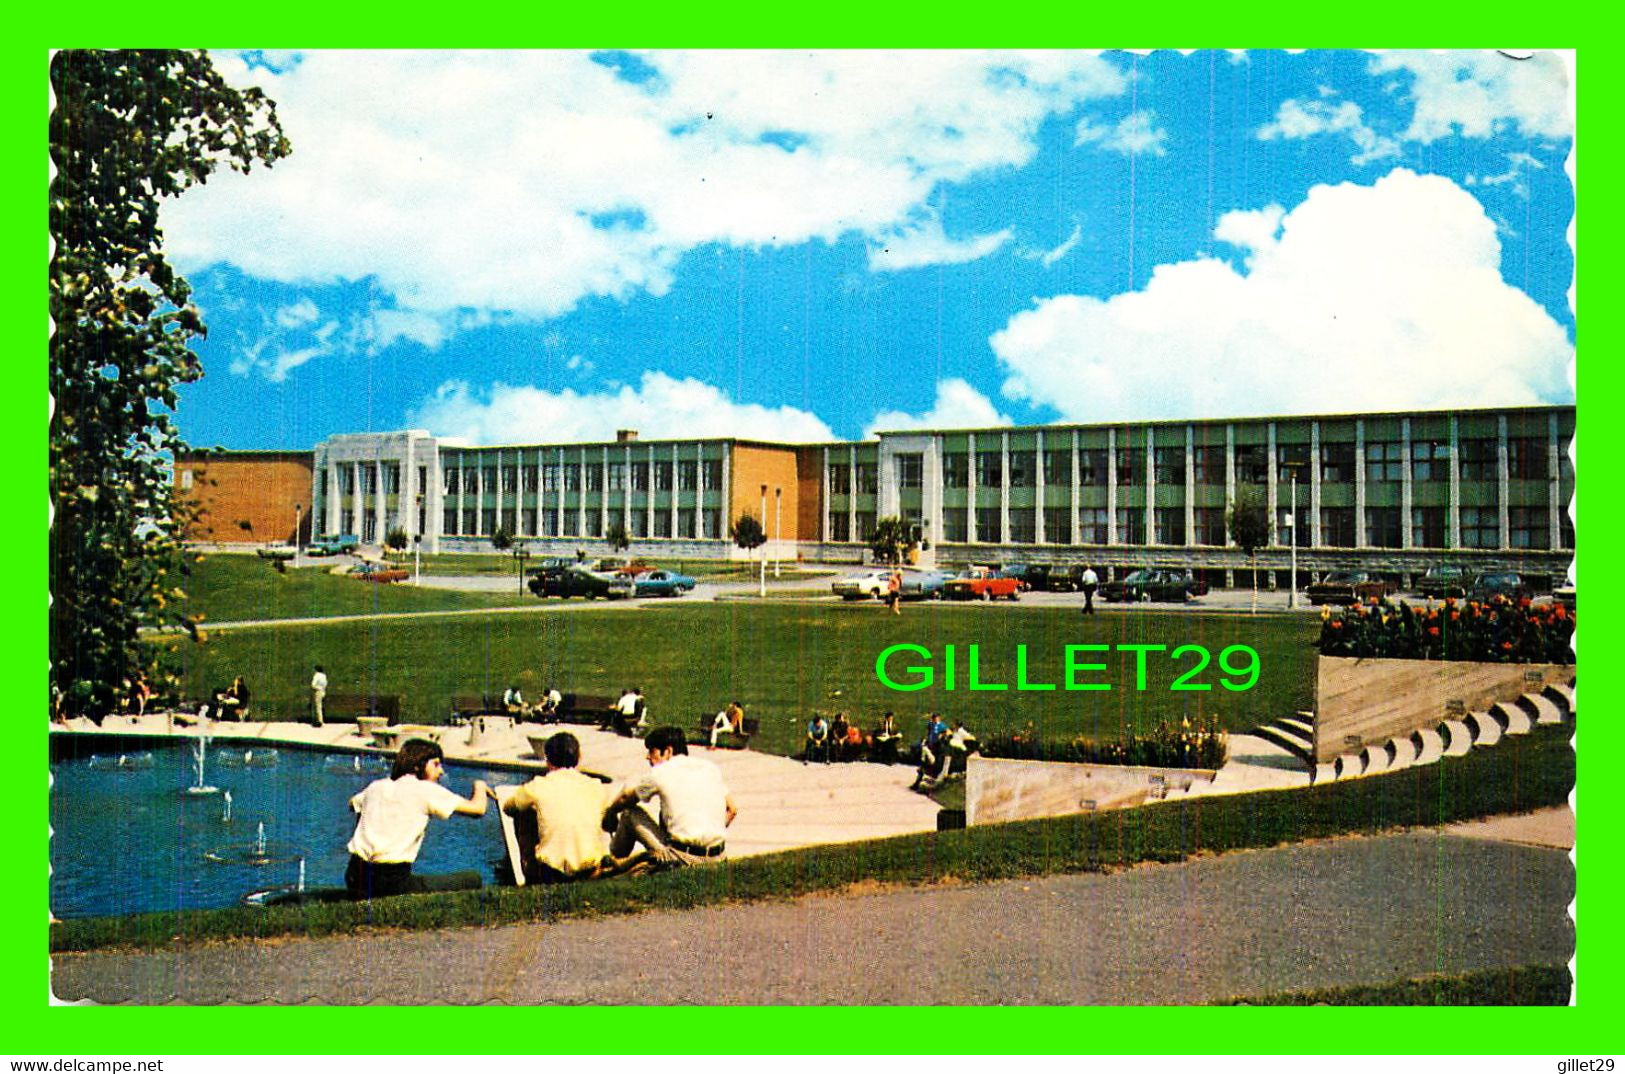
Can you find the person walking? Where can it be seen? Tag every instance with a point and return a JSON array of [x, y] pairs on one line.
[[894, 591], [318, 694], [1091, 581]]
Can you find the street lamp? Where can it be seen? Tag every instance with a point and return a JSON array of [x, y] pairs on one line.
[[298, 516], [761, 516], [1292, 525], [417, 545], [778, 529]]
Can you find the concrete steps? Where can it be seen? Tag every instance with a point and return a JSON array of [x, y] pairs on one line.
[[1458, 737], [1429, 745], [1541, 709]]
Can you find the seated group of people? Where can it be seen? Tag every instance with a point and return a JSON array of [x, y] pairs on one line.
[[515, 705], [942, 752], [841, 740], [585, 828]]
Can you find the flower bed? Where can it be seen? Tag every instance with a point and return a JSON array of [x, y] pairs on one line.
[[1497, 631], [1170, 745]]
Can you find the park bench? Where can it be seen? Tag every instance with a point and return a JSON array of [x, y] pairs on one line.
[[341, 708], [733, 740], [467, 706]]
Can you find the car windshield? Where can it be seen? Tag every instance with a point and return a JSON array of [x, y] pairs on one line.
[[1139, 576], [1343, 578]]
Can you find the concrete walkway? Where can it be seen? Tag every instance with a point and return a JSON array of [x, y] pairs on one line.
[[1339, 912]]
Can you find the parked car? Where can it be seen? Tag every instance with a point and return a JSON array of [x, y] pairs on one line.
[[283, 552], [924, 585], [1154, 583], [1022, 572], [1509, 584], [982, 583], [573, 581], [379, 572], [1348, 587], [1443, 581], [862, 585], [1564, 595], [340, 545], [656, 583]]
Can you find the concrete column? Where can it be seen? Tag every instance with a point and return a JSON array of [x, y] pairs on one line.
[[1454, 513], [1004, 488], [1554, 482], [1229, 487], [603, 492], [649, 500], [359, 500], [1038, 484], [852, 489], [726, 505], [1503, 490], [1270, 498], [1362, 539], [1316, 538], [1190, 486], [1111, 486], [1077, 489], [971, 477], [1150, 485], [676, 491], [1406, 536]]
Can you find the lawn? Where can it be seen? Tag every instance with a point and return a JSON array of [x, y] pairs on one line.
[[232, 588], [783, 661]]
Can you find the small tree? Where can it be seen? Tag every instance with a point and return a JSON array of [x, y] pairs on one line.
[[1249, 521], [892, 539], [502, 540], [615, 534], [747, 533], [396, 540]]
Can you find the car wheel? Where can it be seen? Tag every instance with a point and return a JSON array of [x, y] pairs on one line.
[[1015, 594], [936, 594], [1145, 597], [987, 594]]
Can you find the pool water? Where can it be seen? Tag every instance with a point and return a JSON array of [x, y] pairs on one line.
[[126, 839]]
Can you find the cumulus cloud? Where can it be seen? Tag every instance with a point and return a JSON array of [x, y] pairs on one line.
[[958, 406], [1135, 133], [659, 407], [1361, 297], [1477, 94], [1051, 256], [1300, 118], [926, 244], [524, 182]]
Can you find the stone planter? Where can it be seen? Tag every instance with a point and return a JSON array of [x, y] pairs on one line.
[[999, 789], [1362, 702]]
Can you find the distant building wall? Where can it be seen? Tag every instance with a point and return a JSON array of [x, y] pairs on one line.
[[247, 497], [759, 466]]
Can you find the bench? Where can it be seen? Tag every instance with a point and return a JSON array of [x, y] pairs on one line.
[[585, 708], [467, 706], [337, 707], [732, 740]]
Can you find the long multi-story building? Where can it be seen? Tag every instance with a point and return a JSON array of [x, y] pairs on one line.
[[1394, 492]]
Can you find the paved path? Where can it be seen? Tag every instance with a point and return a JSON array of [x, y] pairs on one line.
[[1339, 912]]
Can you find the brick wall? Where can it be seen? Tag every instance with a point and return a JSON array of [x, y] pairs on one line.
[[260, 489]]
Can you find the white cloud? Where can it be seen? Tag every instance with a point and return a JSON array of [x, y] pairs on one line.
[[523, 182], [1299, 118], [1364, 297], [925, 244], [659, 407], [1049, 257], [1476, 94], [276, 370], [298, 315], [957, 406], [1135, 133], [1518, 166]]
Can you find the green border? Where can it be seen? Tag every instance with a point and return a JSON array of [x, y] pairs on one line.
[[37, 1029]]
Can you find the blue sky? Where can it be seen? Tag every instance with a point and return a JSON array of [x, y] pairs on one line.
[[513, 247]]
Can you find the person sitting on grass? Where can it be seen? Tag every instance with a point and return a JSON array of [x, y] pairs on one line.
[[961, 744], [817, 740], [394, 815], [695, 808], [570, 840], [232, 702]]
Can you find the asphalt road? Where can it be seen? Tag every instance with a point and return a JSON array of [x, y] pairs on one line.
[[1339, 912]]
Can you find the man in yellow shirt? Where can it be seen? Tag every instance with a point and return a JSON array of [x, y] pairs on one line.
[[571, 842]]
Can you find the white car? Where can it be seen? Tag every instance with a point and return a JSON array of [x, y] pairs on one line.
[[862, 586]]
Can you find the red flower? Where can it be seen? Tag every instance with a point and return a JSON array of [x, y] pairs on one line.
[[1433, 630]]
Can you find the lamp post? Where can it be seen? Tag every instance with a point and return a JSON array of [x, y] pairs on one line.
[[417, 545], [778, 529], [761, 589], [1292, 524], [298, 517]]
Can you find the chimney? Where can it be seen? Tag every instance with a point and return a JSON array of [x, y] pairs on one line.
[[625, 436]]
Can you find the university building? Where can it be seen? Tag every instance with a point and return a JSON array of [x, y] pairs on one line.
[[1393, 492]]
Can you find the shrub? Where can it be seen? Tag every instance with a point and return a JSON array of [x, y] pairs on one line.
[[1498, 630], [1169, 745]]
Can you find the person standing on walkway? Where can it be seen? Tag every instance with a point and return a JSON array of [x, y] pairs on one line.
[[1091, 581], [318, 694], [695, 808], [894, 591]]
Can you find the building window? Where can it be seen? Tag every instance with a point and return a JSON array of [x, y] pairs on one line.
[[527, 521], [1210, 526], [488, 479], [909, 471], [840, 479], [1292, 456], [640, 476], [1058, 523], [346, 480], [1022, 529], [1478, 462], [1385, 461], [868, 475], [1337, 462], [595, 476], [954, 527], [617, 476], [1131, 525], [392, 479], [449, 480], [1480, 527], [989, 469], [955, 470], [663, 479], [662, 518], [1092, 466], [551, 477], [866, 525], [1208, 464], [711, 522], [527, 478], [471, 520], [1252, 464], [1428, 529], [987, 525], [1092, 525], [448, 521], [1058, 468], [550, 524], [488, 520], [510, 478], [1528, 527], [572, 481], [1021, 470], [1430, 460], [637, 524], [1382, 527], [1170, 466], [186, 479], [688, 478], [1526, 461], [1284, 524], [1131, 470], [369, 526], [711, 474], [1337, 525], [1170, 525], [1565, 530], [369, 478], [685, 522], [838, 526]]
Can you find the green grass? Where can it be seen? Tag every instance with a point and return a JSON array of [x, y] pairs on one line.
[[233, 588], [1518, 986], [1523, 773], [782, 660]]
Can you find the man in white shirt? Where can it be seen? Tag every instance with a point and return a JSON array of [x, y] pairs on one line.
[[513, 703], [1090, 581], [318, 693], [695, 808]]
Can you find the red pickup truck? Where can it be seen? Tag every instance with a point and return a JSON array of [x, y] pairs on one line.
[[980, 583]]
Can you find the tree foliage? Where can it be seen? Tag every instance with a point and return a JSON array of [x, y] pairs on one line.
[[397, 540], [1249, 520], [616, 536], [127, 130], [747, 532], [891, 540], [502, 540]]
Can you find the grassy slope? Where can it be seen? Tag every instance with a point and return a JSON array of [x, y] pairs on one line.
[[783, 661], [1521, 986], [1523, 773]]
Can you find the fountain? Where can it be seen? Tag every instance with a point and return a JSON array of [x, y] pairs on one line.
[[199, 749], [260, 852], [123, 762], [225, 816], [252, 758]]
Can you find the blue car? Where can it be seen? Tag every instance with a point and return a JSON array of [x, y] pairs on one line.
[[923, 585], [660, 583]]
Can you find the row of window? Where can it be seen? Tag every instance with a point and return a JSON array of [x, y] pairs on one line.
[[841, 475], [1527, 459], [576, 477], [692, 523], [1480, 527]]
